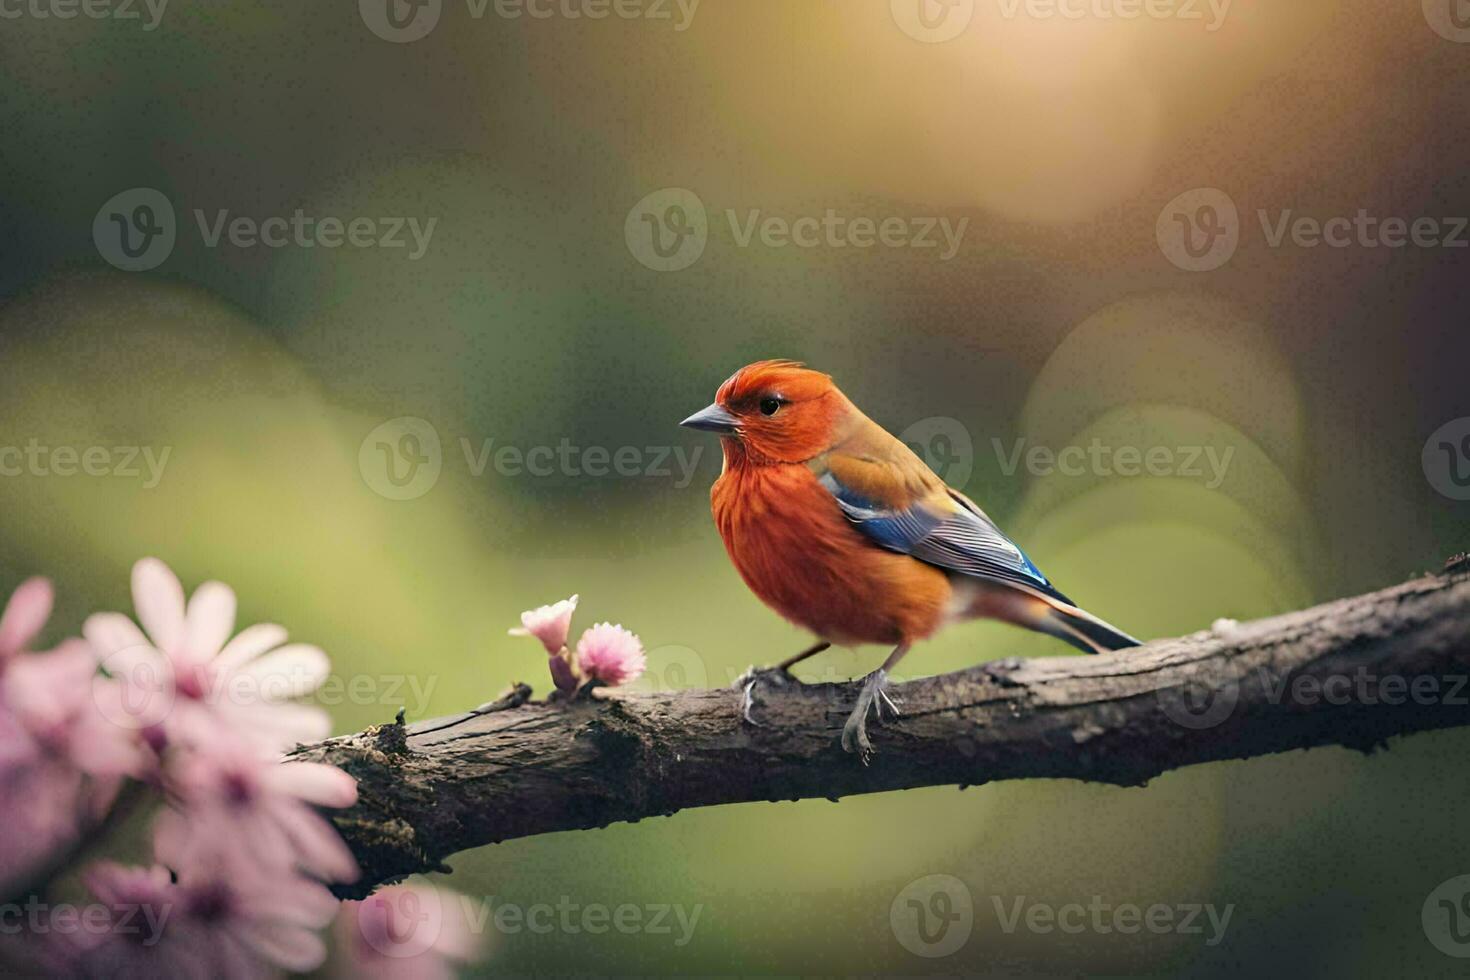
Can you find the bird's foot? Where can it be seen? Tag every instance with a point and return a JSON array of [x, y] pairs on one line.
[[886, 708], [775, 676], [872, 697]]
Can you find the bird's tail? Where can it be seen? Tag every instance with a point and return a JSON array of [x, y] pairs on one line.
[[1082, 629]]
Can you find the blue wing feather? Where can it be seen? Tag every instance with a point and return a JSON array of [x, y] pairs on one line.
[[965, 540]]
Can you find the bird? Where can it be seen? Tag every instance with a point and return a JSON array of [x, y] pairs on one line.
[[846, 532]]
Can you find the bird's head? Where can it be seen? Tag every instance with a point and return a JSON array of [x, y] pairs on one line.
[[776, 412]]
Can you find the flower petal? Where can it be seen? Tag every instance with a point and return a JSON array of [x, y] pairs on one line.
[[302, 902], [295, 949], [316, 783], [316, 846], [288, 672], [112, 633], [274, 728], [25, 614], [208, 621], [251, 643], [158, 599], [610, 654], [549, 624]]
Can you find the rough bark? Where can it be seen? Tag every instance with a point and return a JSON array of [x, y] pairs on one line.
[[1353, 673]]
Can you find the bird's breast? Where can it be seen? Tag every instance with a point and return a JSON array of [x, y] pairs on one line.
[[789, 541]]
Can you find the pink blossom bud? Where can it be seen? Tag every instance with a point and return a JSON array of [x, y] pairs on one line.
[[549, 624], [610, 655]]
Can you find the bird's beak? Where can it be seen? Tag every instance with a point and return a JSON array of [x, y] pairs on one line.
[[712, 419]]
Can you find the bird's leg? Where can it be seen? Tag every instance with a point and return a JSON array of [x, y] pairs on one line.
[[872, 697], [811, 651], [782, 671]]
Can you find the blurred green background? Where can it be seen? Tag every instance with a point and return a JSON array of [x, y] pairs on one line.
[[273, 377]]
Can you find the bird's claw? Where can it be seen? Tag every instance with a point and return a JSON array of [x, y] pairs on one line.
[[779, 676], [872, 697], [886, 708], [855, 740]]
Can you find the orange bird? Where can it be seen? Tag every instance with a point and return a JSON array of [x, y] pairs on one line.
[[844, 531]]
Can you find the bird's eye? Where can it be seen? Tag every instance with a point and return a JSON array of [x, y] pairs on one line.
[[770, 406]]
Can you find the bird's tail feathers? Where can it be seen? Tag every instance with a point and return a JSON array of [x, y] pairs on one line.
[[1083, 630]]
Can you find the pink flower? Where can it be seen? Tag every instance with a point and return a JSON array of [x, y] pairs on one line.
[[549, 624], [62, 703], [147, 935], [610, 655], [244, 924], [40, 797], [24, 617], [243, 809], [403, 932], [184, 680], [251, 918], [61, 760]]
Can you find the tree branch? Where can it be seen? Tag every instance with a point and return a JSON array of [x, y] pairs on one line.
[[1351, 672]]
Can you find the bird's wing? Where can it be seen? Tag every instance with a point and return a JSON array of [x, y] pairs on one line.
[[911, 511]]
